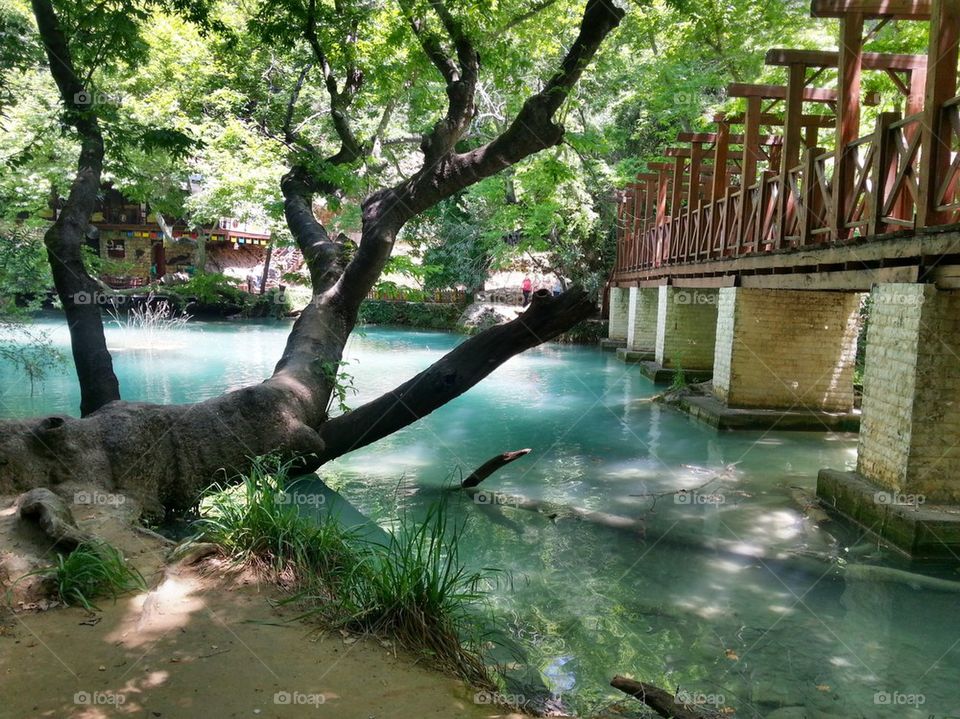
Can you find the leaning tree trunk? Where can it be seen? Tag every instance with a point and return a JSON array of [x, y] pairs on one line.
[[163, 456], [78, 292]]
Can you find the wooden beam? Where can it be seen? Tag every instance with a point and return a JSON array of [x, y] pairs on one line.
[[709, 137], [775, 120], [779, 92], [826, 58], [894, 9]]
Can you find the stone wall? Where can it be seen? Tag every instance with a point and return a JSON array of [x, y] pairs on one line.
[[911, 406], [619, 312], [686, 327], [642, 320], [786, 348]]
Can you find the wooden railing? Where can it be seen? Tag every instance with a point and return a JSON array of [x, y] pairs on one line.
[[884, 198]]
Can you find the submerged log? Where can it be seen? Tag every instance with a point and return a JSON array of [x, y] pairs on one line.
[[660, 700], [492, 465]]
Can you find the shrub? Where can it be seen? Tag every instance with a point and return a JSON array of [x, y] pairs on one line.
[[425, 315]]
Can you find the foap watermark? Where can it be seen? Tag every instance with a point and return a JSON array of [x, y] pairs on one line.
[[301, 499], [695, 99], [97, 298], [496, 498], [689, 698], [899, 499], [107, 698], [902, 299], [513, 700], [86, 97], [899, 699], [99, 499], [693, 497], [693, 297], [300, 699]]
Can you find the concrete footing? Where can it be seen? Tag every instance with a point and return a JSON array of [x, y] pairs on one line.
[[711, 411], [635, 356], [921, 530], [658, 374], [612, 345]]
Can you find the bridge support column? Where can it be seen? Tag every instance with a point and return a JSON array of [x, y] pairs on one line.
[[908, 464], [641, 325], [686, 332], [784, 360], [619, 306], [786, 349]]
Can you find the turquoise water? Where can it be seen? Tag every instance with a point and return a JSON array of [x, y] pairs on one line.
[[718, 594]]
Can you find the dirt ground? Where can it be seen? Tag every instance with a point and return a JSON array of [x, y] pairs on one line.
[[200, 643]]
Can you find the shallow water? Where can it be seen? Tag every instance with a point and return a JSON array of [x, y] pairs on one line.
[[707, 591]]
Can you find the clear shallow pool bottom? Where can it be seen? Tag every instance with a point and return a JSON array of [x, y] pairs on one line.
[[721, 591]]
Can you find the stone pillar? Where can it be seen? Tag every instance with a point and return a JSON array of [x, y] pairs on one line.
[[619, 313], [686, 327], [786, 349], [911, 392], [642, 322]]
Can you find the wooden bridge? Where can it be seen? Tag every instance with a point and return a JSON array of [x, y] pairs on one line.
[[759, 203]]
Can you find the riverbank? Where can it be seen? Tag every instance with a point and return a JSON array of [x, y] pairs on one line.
[[203, 640], [464, 319]]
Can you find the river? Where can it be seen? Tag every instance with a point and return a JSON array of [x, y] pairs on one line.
[[716, 591]]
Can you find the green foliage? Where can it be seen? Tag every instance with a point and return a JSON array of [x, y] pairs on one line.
[[679, 376], [90, 571], [254, 523], [24, 280], [588, 332], [416, 589], [425, 315], [413, 589], [211, 288], [342, 384]]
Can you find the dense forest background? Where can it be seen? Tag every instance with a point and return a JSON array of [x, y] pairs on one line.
[[209, 97]]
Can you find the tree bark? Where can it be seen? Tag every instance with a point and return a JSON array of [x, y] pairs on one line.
[[661, 701], [164, 456], [78, 292], [494, 464]]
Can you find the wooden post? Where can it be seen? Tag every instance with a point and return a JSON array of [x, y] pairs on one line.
[[808, 193], [848, 119], [941, 85], [751, 158], [792, 138], [266, 267], [883, 170]]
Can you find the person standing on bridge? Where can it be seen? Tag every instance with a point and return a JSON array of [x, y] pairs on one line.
[[526, 288]]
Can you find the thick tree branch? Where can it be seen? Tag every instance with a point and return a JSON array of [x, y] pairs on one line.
[[461, 77], [386, 212], [454, 373], [64, 240], [340, 100]]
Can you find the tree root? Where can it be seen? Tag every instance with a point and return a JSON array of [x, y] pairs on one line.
[[52, 514]]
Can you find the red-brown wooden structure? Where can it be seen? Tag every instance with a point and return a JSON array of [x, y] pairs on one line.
[[689, 219]]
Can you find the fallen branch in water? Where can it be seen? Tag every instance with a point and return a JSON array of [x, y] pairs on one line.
[[660, 700], [492, 465]]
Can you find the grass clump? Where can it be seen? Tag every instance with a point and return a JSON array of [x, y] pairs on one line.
[[416, 590], [255, 523], [91, 571], [412, 589], [679, 376]]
